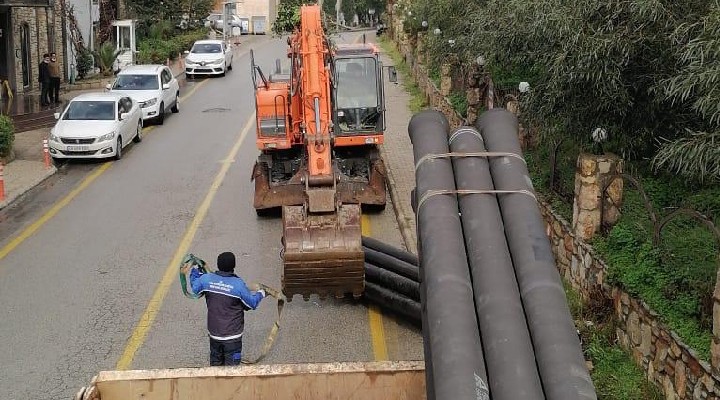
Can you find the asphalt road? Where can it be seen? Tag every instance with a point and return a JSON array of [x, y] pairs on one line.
[[95, 286]]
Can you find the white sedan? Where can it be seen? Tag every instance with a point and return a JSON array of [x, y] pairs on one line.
[[208, 57], [153, 86], [96, 125]]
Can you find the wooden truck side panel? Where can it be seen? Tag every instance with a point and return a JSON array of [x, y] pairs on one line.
[[391, 380]]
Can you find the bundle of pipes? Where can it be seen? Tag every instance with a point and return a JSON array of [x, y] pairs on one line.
[[488, 246], [392, 278], [455, 367]]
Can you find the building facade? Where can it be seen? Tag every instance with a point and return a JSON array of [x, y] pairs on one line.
[[261, 14], [28, 29]]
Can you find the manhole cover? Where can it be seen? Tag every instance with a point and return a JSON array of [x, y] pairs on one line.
[[216, 110]]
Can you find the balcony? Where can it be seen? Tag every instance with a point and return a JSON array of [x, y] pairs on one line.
[[25, 3]]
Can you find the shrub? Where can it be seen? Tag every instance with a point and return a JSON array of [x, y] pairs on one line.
[[7, 135], [84, 63], [157, 51]]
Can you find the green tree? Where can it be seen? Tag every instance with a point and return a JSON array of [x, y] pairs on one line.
[[696, 155], [288, 16], [152, 11]]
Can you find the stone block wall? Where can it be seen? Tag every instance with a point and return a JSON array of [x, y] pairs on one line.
[[667, 361], [43, 23]]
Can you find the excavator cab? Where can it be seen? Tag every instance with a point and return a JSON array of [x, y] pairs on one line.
[[358, 93]]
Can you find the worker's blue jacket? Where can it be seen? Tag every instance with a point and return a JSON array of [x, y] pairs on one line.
[[227, 297]]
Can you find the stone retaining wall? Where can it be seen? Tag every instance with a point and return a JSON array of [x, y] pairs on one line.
[[668, 362]]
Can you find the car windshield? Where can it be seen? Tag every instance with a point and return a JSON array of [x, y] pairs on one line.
[[206, 48], [90, 111], [136, 82]]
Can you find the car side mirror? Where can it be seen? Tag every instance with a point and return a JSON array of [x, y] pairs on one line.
[[108, 86], [166, 86], [56, 115], [392, 74], [124, 116], [186, 52]]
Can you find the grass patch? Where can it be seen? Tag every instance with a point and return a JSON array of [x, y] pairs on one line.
[[459, 103], [614, 373], [677, 278], [418, 100]]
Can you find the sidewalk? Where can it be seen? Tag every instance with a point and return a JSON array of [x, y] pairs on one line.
[[28, 168], [398, 156]]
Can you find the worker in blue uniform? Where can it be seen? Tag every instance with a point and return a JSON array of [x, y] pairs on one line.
[[227, 298]]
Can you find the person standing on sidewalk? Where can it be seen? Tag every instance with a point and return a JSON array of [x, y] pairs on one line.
[[44, 80], [227, 298], [54, 68]]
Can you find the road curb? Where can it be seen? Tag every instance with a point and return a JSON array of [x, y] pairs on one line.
[[37, 181], [401, 213]]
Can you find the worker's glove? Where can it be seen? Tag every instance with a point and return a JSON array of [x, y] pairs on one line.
[[254, 287], [262, 292]]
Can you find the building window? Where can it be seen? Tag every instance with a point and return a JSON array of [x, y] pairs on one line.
[[25, 53]]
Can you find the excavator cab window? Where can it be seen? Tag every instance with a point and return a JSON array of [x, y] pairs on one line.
[[357, 96]]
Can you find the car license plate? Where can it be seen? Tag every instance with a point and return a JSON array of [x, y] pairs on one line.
[[77, 148]]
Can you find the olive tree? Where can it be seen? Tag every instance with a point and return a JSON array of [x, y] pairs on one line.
[[696, 155]]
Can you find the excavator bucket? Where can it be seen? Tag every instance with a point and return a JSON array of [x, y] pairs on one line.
[[322, 252]]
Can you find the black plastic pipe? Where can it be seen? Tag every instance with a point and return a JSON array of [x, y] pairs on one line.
[[398, 253], [512, 372], [561, 365], [393, 264], [397, 303], [397, 283], [458, 367]]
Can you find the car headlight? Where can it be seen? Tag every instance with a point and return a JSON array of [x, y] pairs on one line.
[[218, 61], [190, 62], [107, 136], [53, 137], [148, 103]]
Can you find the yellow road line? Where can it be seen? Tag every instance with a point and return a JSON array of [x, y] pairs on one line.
[[30, 230], [377, 330], [146, 320], [193, 89]]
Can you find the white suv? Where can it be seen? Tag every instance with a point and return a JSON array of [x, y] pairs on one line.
[[153, 86], [211, 57]]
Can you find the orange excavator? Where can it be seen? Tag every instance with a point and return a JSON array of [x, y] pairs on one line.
[[318, 131]]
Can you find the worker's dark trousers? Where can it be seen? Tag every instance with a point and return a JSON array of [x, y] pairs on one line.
[[54, 90], [45, 93], [225, 353]]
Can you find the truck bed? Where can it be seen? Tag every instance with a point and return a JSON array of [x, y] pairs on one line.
[[387, 380]]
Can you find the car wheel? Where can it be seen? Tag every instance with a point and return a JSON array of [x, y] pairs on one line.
[[176, 107], [118, 149], [161, 114], [138, 134], [230, 66], [224, 70]]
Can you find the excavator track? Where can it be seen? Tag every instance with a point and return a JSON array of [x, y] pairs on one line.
[[323, 252]]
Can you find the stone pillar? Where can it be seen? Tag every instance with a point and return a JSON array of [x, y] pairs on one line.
[[715, 345], [446, 79], [589, 177]]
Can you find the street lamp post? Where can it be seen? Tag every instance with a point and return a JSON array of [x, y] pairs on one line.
[[371, 12]]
